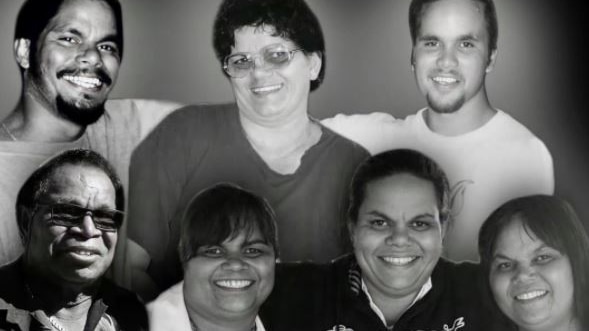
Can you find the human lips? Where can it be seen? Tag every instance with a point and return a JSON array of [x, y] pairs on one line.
[[399, 261], [84, 81], [234, 284], [266, 89], [530, 295]]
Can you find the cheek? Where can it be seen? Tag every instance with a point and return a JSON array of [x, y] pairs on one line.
[[110, 240], [499, 285]]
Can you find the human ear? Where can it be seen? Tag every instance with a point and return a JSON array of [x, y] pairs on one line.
[[22, 49], [491, 63], [315, 64]]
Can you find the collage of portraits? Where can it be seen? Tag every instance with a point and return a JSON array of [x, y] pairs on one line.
[[293, 165]]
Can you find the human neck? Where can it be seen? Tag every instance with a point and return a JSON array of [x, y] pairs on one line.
[[34, 120], [58, 297], [471, 116], [572, 325], [282, 144], [202, 323], [391, 308]]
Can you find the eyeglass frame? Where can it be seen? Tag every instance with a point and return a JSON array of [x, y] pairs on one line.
[[259, 54], [117, 219]]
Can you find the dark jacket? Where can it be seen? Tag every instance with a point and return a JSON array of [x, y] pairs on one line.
[[20, 312], [329, 297]]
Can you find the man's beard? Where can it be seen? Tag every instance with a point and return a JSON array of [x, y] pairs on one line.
[[75, 113], [445, 107]]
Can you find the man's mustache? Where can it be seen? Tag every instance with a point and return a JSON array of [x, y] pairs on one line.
[[98, 72]]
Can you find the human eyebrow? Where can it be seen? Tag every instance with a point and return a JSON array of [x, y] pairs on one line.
[[255, 242], [428, 37]]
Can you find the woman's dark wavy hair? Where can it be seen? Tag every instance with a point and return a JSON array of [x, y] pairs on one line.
[[34, 16], [221, 213], [394, 162], [39, 183], [553, 221], [291, 19]]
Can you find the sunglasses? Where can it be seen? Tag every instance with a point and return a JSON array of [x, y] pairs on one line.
[[109, 220]]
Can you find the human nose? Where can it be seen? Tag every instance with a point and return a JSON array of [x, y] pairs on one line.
[[87, 228], [234, 263], [90, 56], [524, 273], [447, 58], [399, 236], [259, 65]]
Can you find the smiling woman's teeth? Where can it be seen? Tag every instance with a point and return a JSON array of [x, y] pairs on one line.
[[233, 283], [265, 89], [399, 260], [85, 82], [530, 295]]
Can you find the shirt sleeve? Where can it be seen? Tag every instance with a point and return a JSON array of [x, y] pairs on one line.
[[374, 131], [158, 173]]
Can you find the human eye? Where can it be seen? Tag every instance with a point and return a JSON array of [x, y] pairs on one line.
[[543, 258], [68, 40], [109, 48], [466, 44], [420, 225], [430, 43], [277, 55], [504, 266], [378, 223], [240, 61], [211, 251]]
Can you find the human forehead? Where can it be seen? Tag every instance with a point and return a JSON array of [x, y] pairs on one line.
[[453, 18], [85, 16], [254, 38], [517, 240], [401, 195], [81, 184]]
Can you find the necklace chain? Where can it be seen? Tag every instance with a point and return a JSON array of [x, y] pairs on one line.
[[5, 128]]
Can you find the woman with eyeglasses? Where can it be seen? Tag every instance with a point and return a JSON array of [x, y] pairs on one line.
[[273, 54], [535, 253], [228, 248]]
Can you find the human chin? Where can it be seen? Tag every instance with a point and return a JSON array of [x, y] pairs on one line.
[[82, 112], [446, 105], [239, 301]]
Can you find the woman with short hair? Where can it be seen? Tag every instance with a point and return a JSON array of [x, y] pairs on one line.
[[228, 249]]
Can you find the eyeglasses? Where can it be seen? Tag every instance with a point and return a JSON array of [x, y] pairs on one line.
[[109, 220], [271, 57]]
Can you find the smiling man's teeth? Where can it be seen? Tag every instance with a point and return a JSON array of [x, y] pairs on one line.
[[233, 283], [83, 252], [530, 295], [269, 88], [445, 80], [399, 260], [86, 82]]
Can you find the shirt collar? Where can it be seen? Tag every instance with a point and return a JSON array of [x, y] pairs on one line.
[[425, 288]]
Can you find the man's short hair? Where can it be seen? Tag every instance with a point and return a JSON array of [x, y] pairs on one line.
[[418, 7], [221, 213], [34, 16], [291, 19], [395, 162], [38, 183]]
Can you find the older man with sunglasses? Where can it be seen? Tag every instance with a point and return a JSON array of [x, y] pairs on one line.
[[69, 213]]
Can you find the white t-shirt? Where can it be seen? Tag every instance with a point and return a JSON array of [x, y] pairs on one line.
[[486, 167]]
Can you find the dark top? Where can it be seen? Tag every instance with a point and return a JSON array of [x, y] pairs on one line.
[[330, 297], [199, 146], [20, 312]]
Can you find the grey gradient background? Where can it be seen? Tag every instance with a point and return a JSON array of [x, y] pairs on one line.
[[539, 77]]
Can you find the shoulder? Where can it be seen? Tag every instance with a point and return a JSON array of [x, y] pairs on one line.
[[200, 116], [168, 311], [373, 131], [124, 305]]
